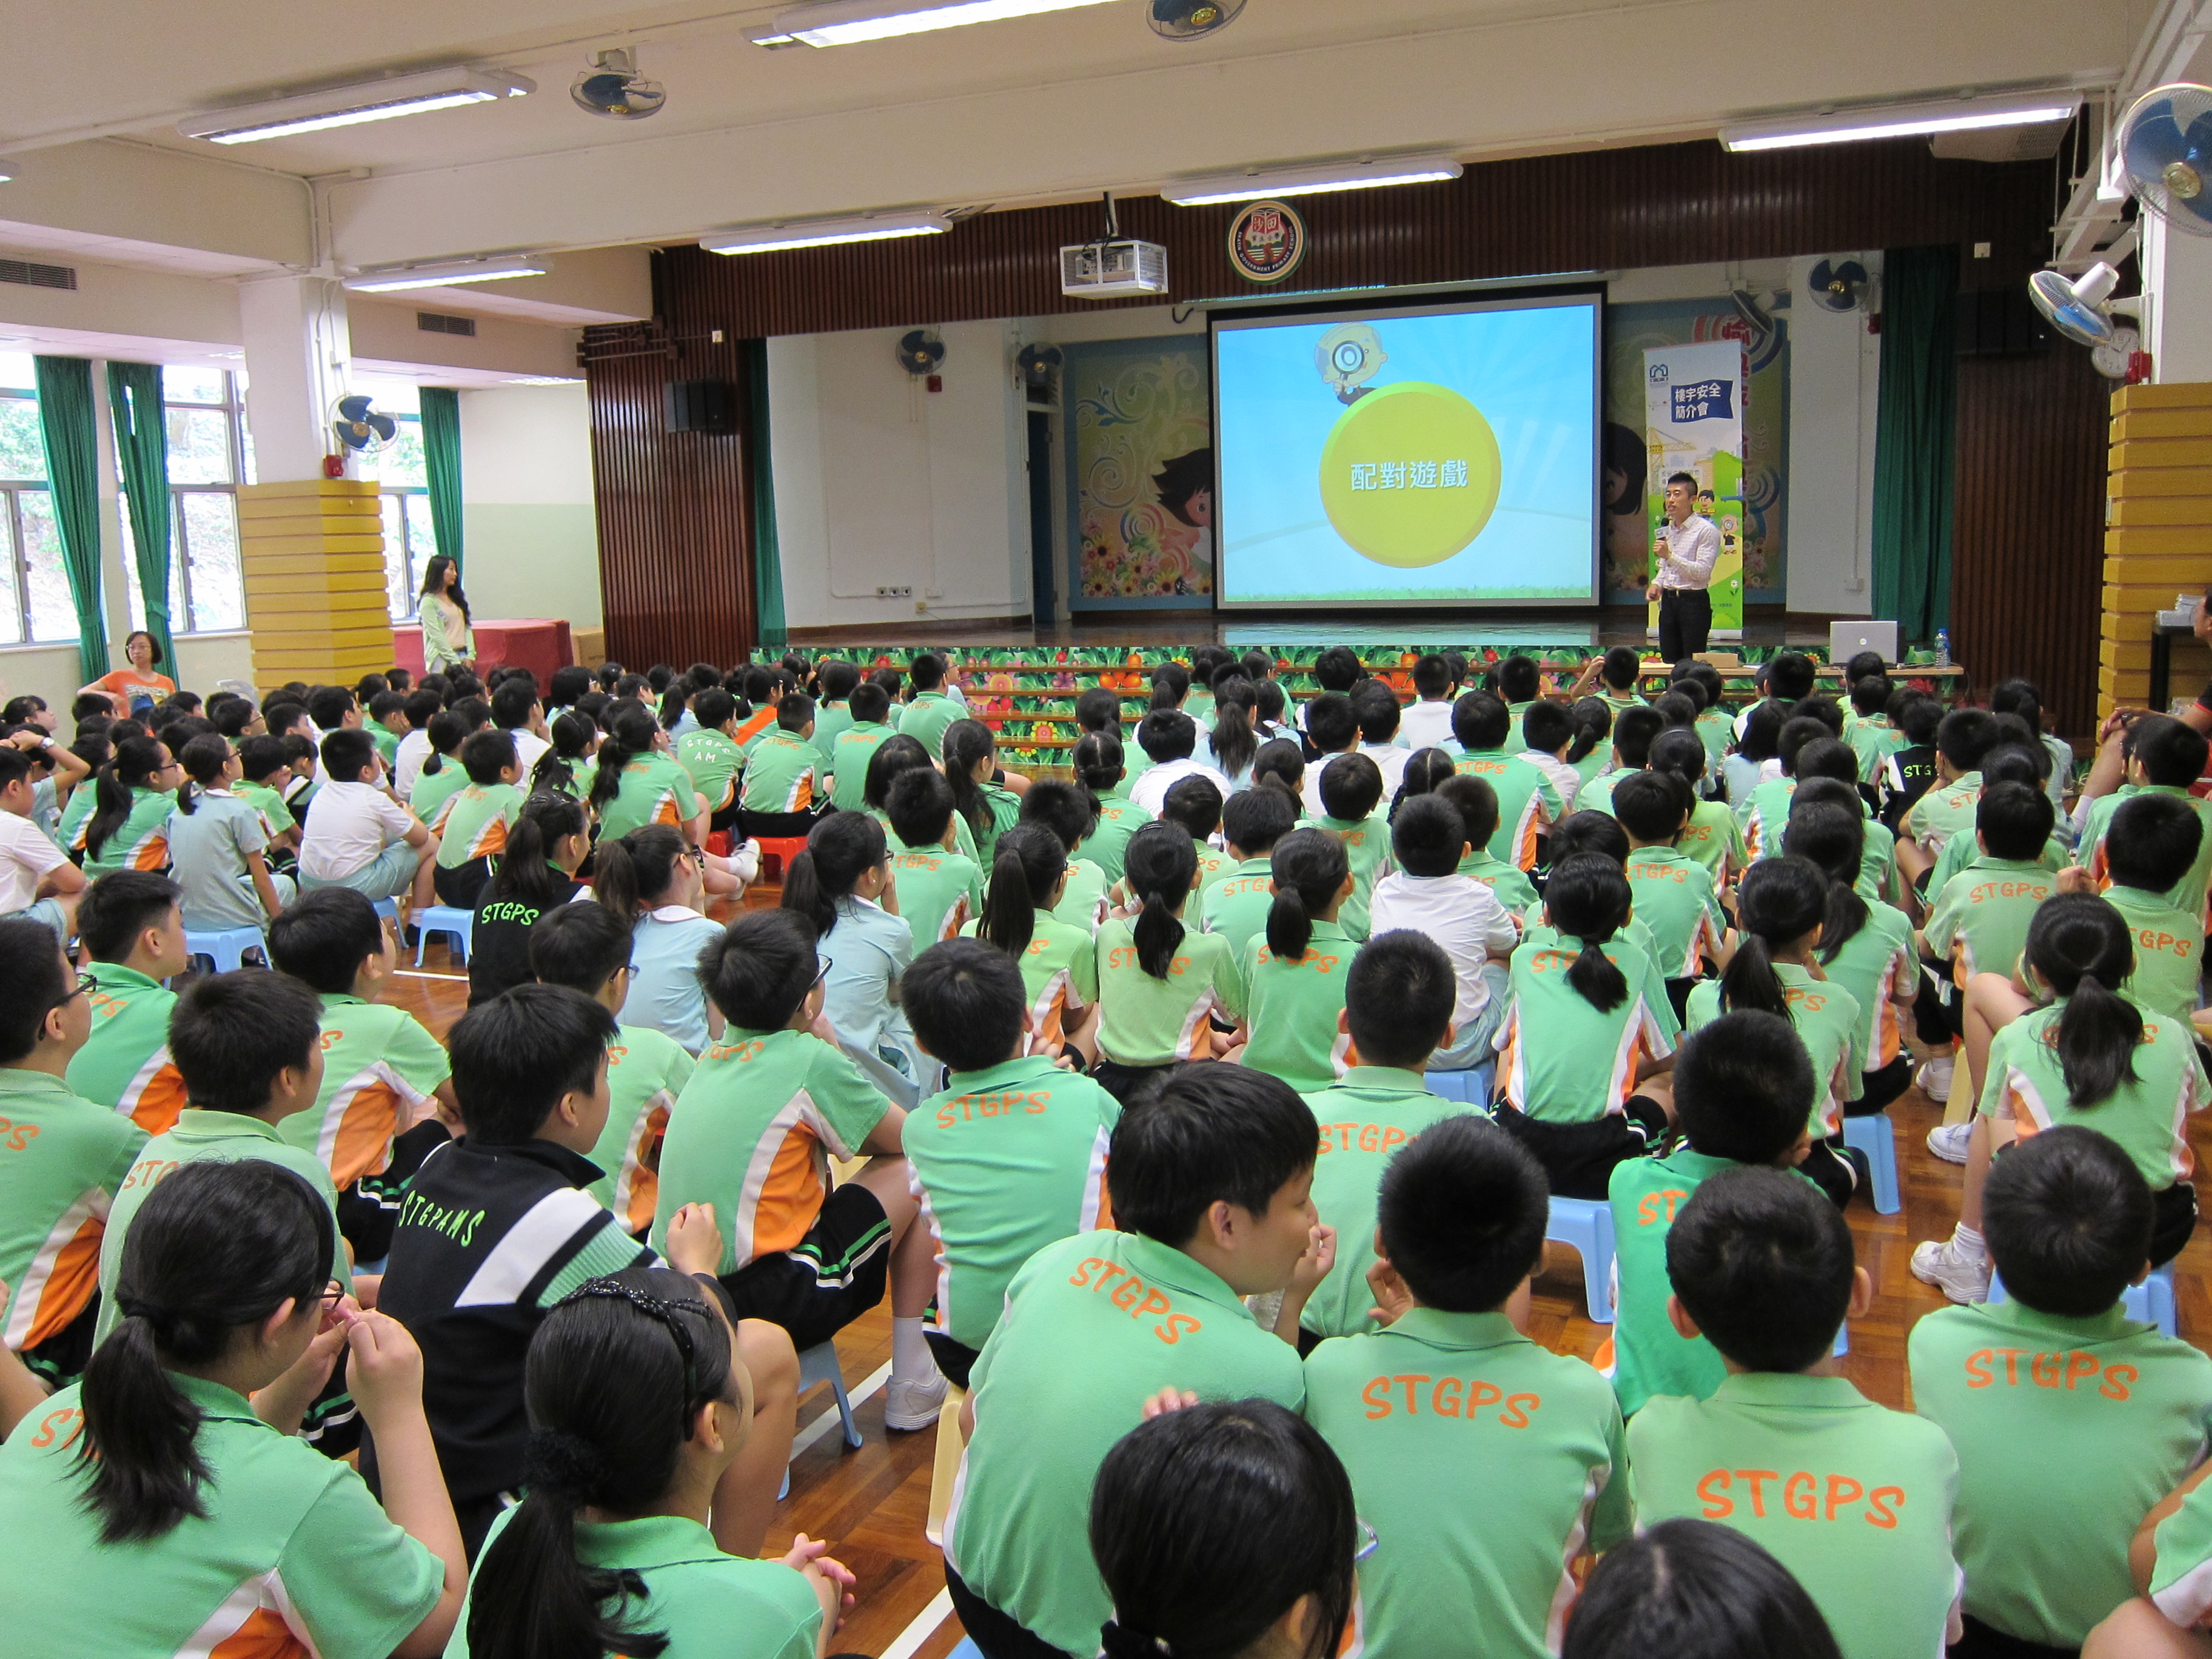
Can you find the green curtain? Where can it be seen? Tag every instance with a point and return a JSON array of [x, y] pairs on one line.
[[1915, 453], [767, 558], [141, 443], [441, 459], [68, 429]]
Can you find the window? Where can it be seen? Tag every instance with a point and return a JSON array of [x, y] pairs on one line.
[[35, 599], [204, 412], [410, 542]]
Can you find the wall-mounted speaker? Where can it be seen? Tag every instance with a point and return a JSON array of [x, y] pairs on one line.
[[702, 406]]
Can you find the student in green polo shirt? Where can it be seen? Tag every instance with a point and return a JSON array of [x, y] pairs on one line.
[[1633, 732], [1674, 893], [133, 933], [1476, 803], [1069, 810], [940, 889], [588, 948], [1059, 959], [1294, 972], [1781, 909], [2149, 847], [1098, 759], [833, 711], [1235, 903], [1980, 920], [1011, 1157], [1854, 1498], [930, 709], [1519, 684], [1963, 741], [1866, 945], [1873, 739], [1160, 982], [2071, 1420], [710, 754], [637, 1372], [132, 797], [1527, 800], [778, 793], [441, 776], [1713, 837], [472, 827], [1210, 1177], [1483, 1462], [2159, 756], [1195, 803], [1351, 802], [164, 1498], [2091, 1057], [1099, 711], [988, 807], [263, 774], [853, 747], [1743, 1095], [61, 1163], [384, 1074], [1398, 1010]]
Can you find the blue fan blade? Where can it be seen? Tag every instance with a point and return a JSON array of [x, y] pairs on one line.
[[1852, 272], [1821, 275], [352, 409], [383, 426]]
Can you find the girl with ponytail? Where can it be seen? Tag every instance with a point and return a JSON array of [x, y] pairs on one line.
[[1059, 967], [971, 763], [154, 1497], [1590, 753], [1097, 759], [638, 1407], [652, 876], [1781, 909], [442, 777], [219, 845], [132, 798], [1160, 983], [1295, 973], [1589, 1023], [1866, 945], [547, 844], [843, 885], [1230, 747], [640, 782], [1426, 771], [566, 766], [2081, 1054]]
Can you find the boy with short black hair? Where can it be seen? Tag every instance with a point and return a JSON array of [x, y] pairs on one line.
[[1194, 804], [1632, 734], [332, 708], [1011, 1157], [1791, 676], [1236, 901], [1868, 730], [471, 827], [1210, 1175], [1743, 1095], [930, 709], [387, 724], [1519, 684], [1483, 1462], [1674, 896], [1910, 770], [2056, 1389], [2151, 844], [857, 743], [1978, 923], [358, 837], [940, 888], [1547, 732], [1071, 812], [752, 1134], [516, 710], [777, 795], [1619, 669], [586, 948], [497, 1229], [38, 883], [709, 755], [1963, 741], [384, 1074], [1854, 1499], [1476, 803], [421, 708], [133, 933], [1426, 894], [1169, 738], [1527, 799], [1332, 728], [1352, 809], [1376, 707], [1426, 723], [2160, 756]]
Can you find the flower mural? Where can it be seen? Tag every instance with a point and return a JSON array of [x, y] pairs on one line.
[[1141, 471]]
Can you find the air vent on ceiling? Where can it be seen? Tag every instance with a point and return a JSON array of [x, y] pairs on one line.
[[31, 276], [437, 322]]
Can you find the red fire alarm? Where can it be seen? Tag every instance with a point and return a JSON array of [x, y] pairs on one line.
[[937, 383], [334, 466]]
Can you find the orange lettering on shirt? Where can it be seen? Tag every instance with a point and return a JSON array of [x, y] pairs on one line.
[[1978, 1374], [1648, 1208], [1880, 1512], [1443, 1401], [20, 1135], [1797, 1497], [1479, 1395], [1128, 1293], [53, 1423], [1711, 1486], [2078, 1365], [2012, 1365], [1081, 1276], [1759, 1478], [1842, 1489], [330, 1040], [1411, 1382], [1154, 1302], [1377, 1394], [2117, 1378], [2046, 1370], [1517, 1407]]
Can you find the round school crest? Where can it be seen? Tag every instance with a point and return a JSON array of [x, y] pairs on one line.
[[1267, 240]]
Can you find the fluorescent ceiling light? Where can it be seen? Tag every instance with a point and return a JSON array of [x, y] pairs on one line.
[[842, 23], [825, 233], [1901, 120], [350, 106], [1254, 184], [446, 273]]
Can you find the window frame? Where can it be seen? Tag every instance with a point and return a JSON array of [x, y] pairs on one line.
[[182, 620], [17, 547]]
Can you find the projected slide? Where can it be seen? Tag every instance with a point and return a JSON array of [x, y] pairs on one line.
[[1428, 457]]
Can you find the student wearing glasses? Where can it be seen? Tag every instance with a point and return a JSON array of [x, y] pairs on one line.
[[654, 879]]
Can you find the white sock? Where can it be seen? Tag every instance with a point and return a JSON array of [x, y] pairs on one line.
[[911, 1360], [1965, 1240]]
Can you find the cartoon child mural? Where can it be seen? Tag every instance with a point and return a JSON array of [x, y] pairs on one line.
[[1185, 486]]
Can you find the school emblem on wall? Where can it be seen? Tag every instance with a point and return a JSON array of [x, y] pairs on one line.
[[1267, 240]]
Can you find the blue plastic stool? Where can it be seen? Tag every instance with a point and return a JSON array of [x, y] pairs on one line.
[[227, 949], [1471, 1085], [2152, 1301], [819, 1364], [459, 925], [967, 1650], [386, 908], [1873, 1135], [1843, 1341], [1587, 1225]]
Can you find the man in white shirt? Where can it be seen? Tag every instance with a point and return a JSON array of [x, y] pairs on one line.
[[37, 881], [1169, 737], [357, 836], [1426, 723], [1687, 547]]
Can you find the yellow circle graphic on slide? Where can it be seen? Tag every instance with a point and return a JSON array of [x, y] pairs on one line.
[[1409, 474]]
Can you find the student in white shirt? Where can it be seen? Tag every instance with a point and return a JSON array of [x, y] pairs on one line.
[[515, 707], [1426, 895], [1170, 738], [1332, 728], [422, 708], [1427, 723], [37, 881], [357, 836], [1376, 706]]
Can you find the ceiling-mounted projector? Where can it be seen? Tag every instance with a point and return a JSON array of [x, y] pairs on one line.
[[1112, 271]]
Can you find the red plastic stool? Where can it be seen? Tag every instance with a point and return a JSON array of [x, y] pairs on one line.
[[718, 843], [782, 848]]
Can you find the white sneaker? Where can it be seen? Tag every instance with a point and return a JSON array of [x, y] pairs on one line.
[[1948, 1142], [1957, 1275], [911, 1406], [1934, 1078]]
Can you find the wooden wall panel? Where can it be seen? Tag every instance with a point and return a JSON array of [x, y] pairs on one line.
[[2027, 538]]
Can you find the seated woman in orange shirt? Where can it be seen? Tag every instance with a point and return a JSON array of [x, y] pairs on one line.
[[124, 686]]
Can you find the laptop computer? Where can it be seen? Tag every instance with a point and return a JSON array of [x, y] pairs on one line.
[[1847, 639]]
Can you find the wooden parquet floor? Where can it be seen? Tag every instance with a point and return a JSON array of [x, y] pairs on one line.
[[873, 1503]]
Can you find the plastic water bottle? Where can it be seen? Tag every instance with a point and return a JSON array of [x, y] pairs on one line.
[[1942, 647]]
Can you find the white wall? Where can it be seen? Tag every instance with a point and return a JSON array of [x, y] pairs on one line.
[[1835, 375], [529, 531]]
